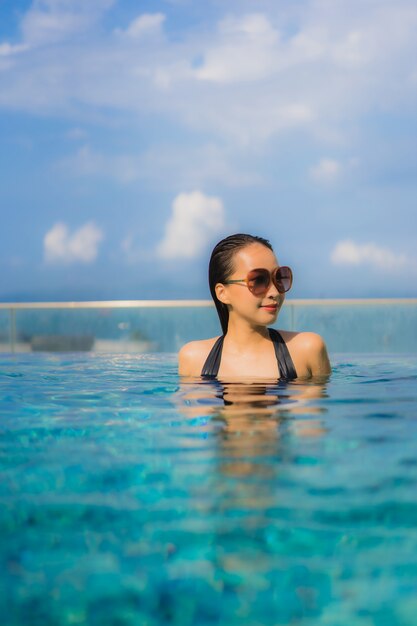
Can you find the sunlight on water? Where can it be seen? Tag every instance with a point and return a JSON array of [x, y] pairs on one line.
[[129, 497]]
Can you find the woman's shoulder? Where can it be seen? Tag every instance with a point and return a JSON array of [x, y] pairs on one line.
[[193, 355], [306, 340], [308, 351]]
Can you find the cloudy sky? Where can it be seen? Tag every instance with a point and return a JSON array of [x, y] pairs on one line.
[[136, 133]]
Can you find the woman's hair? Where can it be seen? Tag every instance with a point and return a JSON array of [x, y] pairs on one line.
[[221, 267]]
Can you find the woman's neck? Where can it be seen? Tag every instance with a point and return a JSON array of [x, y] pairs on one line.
[[242, 334]]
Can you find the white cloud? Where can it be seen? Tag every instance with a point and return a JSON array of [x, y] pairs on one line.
[[248, 79], [195, 219], [244, 52], [124, 168], [134, 250], [326, 171], [62, 247], [164, 164], [52, 21], [145, 23], [7, 49], [76, 134], [348, 252]]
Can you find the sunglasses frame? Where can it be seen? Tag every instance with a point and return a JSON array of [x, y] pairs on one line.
[[272, 278]]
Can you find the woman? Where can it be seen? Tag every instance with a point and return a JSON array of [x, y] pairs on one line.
[[248, 288]]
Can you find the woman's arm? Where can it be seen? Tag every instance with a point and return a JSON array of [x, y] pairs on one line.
[[186, 360], [318, 359]]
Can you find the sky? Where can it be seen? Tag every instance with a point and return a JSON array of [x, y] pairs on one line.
[[136, 134]]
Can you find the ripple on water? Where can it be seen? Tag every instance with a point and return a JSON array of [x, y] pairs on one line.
[[128, 497]]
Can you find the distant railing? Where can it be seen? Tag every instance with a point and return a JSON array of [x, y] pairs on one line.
[[348, 325]]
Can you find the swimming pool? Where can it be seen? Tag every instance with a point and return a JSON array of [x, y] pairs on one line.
[[129, 499]]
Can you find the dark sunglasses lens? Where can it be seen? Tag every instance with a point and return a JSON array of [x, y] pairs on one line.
[[258, 282], [283, 279]]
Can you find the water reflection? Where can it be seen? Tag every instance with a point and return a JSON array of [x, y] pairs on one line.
[[257, 501], [253, 418]]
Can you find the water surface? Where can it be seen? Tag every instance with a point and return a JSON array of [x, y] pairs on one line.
[[130, 498]]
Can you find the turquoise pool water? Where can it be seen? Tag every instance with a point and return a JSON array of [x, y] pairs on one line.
[[129, 499]]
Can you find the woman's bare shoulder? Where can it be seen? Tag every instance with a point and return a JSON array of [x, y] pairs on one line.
[[192, 356], [307, 340], [308, 351]]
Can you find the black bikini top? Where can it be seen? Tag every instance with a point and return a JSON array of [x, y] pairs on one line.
[[285, 364]]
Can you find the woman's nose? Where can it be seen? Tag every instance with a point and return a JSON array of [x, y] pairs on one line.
[[272, 291]]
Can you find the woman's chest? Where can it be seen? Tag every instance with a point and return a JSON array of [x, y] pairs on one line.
[[247, 365]]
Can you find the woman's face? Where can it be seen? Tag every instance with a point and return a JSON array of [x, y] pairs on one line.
[[262, 310]]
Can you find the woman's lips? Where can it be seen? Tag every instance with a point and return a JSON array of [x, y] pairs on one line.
[[269, 307]]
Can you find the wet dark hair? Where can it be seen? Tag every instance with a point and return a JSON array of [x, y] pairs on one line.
[[221, 267]]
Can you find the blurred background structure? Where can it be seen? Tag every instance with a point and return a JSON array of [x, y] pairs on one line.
[[387, 327]]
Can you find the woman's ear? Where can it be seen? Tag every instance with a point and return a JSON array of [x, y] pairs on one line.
[[221, 293]]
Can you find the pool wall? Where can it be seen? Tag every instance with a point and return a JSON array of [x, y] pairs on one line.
[[348, 326]]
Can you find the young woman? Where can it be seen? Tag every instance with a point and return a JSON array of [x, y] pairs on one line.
[[248, 287]]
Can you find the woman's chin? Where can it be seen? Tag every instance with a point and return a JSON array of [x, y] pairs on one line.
[[270, 314]]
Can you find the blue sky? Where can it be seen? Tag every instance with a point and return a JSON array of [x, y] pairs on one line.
[[134, 135]]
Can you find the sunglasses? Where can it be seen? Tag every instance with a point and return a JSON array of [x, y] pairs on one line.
[[258, 281]]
